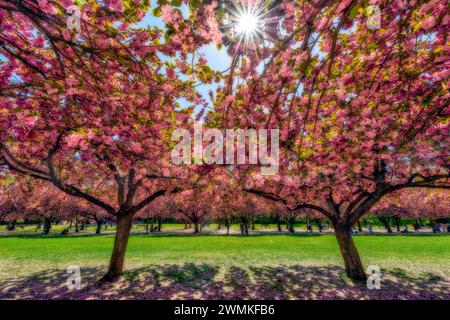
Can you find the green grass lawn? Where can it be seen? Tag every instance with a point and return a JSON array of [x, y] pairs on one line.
[[270, 266], [413, 253]]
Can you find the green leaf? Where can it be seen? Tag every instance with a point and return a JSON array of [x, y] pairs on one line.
[[354, 12], [426, 101], [195, 3], [221, 12], [157, 12], [168, 33], [176, 3]]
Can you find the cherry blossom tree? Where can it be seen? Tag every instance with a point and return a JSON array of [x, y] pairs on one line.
[[156, 212], [193, 206], [361, 111], [97, 105], [361, 103], [14, 197], [412, 204]]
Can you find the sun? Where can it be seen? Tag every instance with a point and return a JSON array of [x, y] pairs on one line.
[[247, 23]]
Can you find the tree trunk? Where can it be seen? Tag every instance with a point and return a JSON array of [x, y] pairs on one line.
[[352, 261], [99, 227], [47, 226], [196, 229], [319, 224], [76, 226], [277, 219], [419, 223], [359, 226], [290, 225], [397, 222], [146, 225], [124, 223], [385, 222], [159, 218], [11, 225]]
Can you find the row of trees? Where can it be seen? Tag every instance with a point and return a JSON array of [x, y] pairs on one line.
[[25, 201], [362, 112]]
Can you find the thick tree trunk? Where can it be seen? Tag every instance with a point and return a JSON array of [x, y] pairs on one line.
[[196, 229], [277, 219], [124, 223], [227, 225], [352, 261], [99, 227], [290, 225], [47, 226]]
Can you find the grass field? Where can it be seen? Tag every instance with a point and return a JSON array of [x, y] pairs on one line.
[[30, 261]]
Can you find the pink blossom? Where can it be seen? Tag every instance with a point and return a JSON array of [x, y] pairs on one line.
[[428, 23]]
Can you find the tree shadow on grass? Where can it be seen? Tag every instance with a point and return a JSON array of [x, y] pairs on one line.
[[203, 281]]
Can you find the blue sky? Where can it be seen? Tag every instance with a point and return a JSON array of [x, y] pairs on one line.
[[218, 60]]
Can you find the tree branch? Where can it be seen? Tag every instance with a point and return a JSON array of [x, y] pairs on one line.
[[150, 199]]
